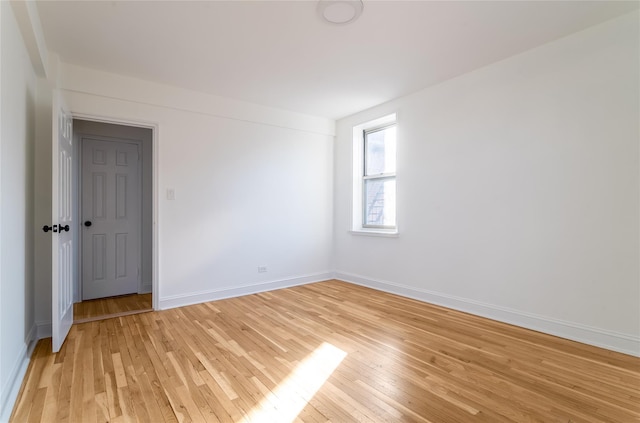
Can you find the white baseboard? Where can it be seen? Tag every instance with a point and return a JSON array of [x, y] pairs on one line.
[[610, 340], [11, 388], [220, 294], [43, 330]]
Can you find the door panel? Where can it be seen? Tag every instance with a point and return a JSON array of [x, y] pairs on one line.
[[111, 202], [62, 240]]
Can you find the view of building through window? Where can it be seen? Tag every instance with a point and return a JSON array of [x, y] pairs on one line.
[[379, 179]]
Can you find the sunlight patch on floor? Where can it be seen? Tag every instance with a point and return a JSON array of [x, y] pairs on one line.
[[283, 404]]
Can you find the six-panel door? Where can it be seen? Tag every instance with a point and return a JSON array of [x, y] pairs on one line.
[[111, 219]]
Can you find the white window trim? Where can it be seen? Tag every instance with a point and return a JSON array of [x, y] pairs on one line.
[[357, 227]]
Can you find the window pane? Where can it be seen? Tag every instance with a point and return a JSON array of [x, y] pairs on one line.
[[380, 202], [380, 151]]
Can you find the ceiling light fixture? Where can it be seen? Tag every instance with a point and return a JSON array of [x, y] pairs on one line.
[[340, 12]]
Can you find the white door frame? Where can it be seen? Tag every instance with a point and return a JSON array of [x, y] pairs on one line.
[[155, 284], [80, 283]]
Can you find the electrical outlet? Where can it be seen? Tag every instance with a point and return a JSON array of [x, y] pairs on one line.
[[262, 269]]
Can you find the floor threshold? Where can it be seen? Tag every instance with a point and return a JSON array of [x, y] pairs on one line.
[[110, 316]]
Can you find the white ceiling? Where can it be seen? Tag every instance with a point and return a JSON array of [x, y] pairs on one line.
[[281, 54]]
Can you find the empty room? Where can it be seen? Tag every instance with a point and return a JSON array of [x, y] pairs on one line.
[[320, 211]]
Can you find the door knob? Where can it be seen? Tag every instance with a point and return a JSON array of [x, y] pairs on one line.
[[53, 228], [64, 228], [87, 223]]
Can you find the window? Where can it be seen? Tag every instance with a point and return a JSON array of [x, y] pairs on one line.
[[379, 178], [374, 207]]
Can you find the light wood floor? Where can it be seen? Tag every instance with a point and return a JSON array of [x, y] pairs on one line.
[[104, 308], [328, 351]]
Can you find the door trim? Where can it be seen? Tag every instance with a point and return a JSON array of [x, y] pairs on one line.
[[80, 247], [155, 279]]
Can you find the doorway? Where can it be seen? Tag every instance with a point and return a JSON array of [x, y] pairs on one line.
[[114, 206]]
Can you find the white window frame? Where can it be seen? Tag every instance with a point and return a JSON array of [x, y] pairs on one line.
[[358, 227]]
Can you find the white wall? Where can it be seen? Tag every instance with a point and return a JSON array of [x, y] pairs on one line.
[[17, 114], [253, 186], [518, 191]]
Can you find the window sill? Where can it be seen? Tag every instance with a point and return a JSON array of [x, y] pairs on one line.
[[374, 232]]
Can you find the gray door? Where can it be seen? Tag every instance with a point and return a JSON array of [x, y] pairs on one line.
[[111, 217]]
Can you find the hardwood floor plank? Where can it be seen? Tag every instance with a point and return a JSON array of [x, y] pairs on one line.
[[103, 308], [263, 357], [102, 409]]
